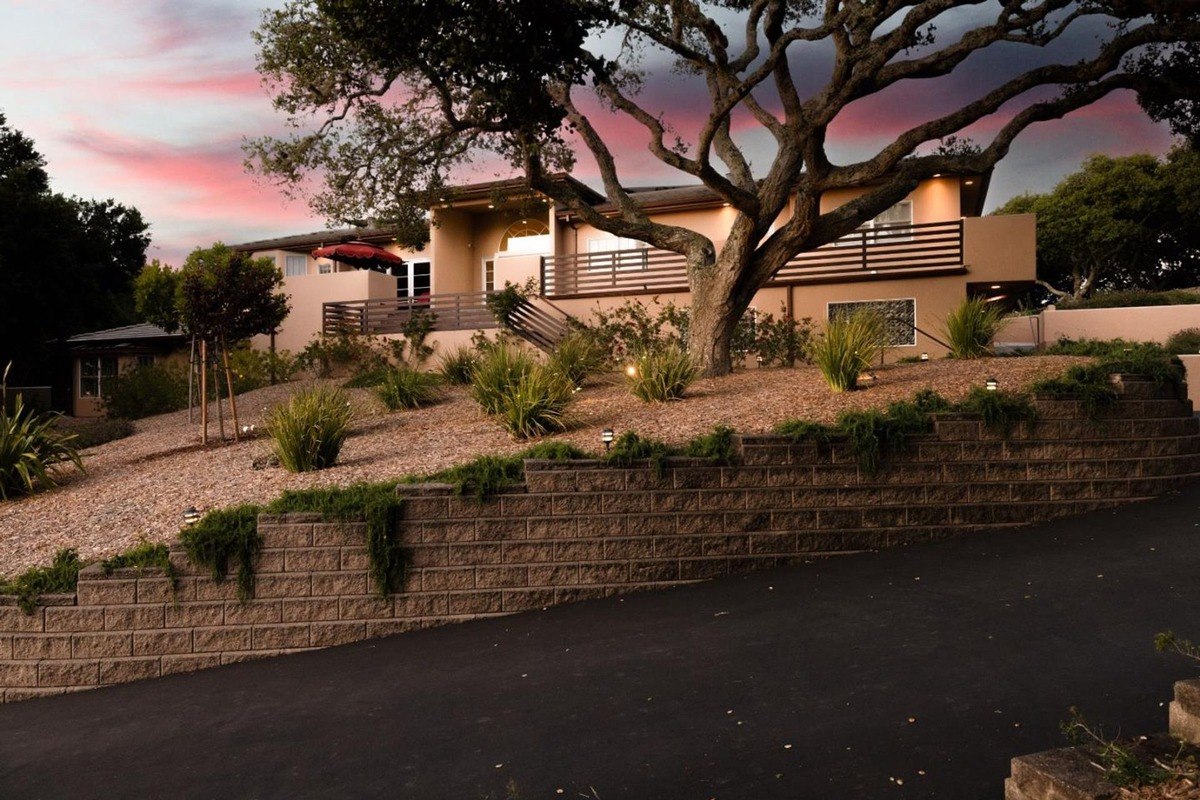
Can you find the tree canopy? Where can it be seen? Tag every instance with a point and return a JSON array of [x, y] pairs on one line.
[[1119, 223], [388, 99], [66, 264]]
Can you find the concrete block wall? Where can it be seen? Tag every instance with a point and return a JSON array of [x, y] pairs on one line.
[[582, 529], [1184, 711]]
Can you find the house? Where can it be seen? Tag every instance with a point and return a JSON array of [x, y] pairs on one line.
[[98, 357], [916, 261]]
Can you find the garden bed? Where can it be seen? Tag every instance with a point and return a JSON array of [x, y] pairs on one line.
[[137, 487]]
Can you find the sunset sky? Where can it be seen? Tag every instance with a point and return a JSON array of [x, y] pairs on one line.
[[149, 101]]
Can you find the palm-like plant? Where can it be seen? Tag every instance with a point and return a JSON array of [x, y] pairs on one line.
[[30, 448], [971, 327], [851, 344]]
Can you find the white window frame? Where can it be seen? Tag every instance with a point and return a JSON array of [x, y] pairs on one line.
[[602, 259], [911, 342], [483, 280], [325, 267], [289, 260], [99, 379], [872, 225], [410, 274]]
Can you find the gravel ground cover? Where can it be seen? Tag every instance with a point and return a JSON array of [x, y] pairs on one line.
[[137, 487]]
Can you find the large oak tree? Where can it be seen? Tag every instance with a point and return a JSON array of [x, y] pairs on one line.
[[389, 97]]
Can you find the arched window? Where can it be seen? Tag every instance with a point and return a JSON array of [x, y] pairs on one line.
[[526, 236]]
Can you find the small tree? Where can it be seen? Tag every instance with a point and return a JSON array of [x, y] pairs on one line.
[[219, 296]]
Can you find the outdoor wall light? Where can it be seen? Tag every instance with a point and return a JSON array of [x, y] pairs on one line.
[[992, 384], [631, 370], [606, 436], [190, 515], [759, 359], [924, 356]]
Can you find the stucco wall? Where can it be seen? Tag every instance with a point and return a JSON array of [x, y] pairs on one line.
[[308, 293]]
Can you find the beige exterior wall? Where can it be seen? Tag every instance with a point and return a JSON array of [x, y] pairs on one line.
[[308, 293], [1146, 324], [935, 200], [1000, 248], [94, 406]]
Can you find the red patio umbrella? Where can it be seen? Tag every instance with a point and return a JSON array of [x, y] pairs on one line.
[[360, 255]]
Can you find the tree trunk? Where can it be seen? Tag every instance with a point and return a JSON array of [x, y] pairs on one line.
[[203, 392], [229, 383], [217, 392], [714, 314]]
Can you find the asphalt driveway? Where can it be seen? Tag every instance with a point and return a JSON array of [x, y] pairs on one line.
[[910, 673]]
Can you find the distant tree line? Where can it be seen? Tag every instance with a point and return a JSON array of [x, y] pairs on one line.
[[67, 264]]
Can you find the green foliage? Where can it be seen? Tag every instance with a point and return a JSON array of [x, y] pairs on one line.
[[147, 390], [155, 295], [252, 369], [1001, 411], [876, 435], [717, 446], [309, 428], [61, 576], [489, 475], [577, 356], [850, 345], [228, 296], [1089, 387], [150, 555], [402, 387], [1168, 642], [458, 365], [631, 330], [804, 430], [536, 404], [503, 302], [1096, 348], [224, 535], [1135, 298], [630, 448], [95, 432], [662, 374], [340, 352], [375, 503], [1122, 766], [31, 449], [1184, 342], [782, 342], [499, 368], [972, 326], [413, 349]]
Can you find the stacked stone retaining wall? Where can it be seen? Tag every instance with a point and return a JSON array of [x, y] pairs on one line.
[[582, 529]]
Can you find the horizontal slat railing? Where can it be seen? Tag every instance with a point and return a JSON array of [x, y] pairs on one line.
[[453, 312], [879, 252]]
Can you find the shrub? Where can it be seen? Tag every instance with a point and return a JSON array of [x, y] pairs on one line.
[[1091, 388], [500, 367], [95, 432], [224, 535], [31, 450], [458, 365], [507, 300], [782, 342], [1184, 342], [851, 344], [717, 446], [630, 448], [253, 369], [367, 379], [972, 326], [536, 403], [662, 374], [147, 390], [146, 554], [61, 576], [489, 475], [1001, 411], [309, 428], [341, 352], [402, 387], [577, 356]]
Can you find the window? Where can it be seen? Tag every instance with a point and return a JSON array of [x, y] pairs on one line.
[[295, 265], [414, 279], [901, 316], [526, 236], [324, 267], [616, 253], [95, 373], [898, 216], [145, 361], [489, 275]]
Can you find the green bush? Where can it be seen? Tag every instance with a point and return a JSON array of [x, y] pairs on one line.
[[782, 342], [1096, 348], [342, 353], [61, 576], [536, 404], [1087, 386], [1184, 342], [1001, 411], [252, 369], [662, 374], [577, 357], [489, 475], [403, 387], [717, 446], [147, 390], [309, 428], [224, 535], [630, 448], [1133, 298], [153, 555], [851, 344], [972, 326], [500, 367], [458, 365], [31, 450]]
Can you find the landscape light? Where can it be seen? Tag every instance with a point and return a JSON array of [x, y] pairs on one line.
[[924, 356], [631, 370], [190, 515], [606, 436], [759, 359], [992, 384]]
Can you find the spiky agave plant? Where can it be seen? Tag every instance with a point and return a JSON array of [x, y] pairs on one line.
[[30, 447], [850, 345]]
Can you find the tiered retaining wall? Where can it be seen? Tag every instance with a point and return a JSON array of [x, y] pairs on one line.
[[582, 530]]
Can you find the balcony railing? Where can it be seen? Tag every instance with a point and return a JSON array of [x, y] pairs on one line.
[[454, 312], [869, 254]]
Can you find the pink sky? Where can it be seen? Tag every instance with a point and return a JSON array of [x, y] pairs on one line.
[[149, 101]]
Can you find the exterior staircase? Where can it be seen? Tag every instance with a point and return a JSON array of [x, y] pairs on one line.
[[539, 322]]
